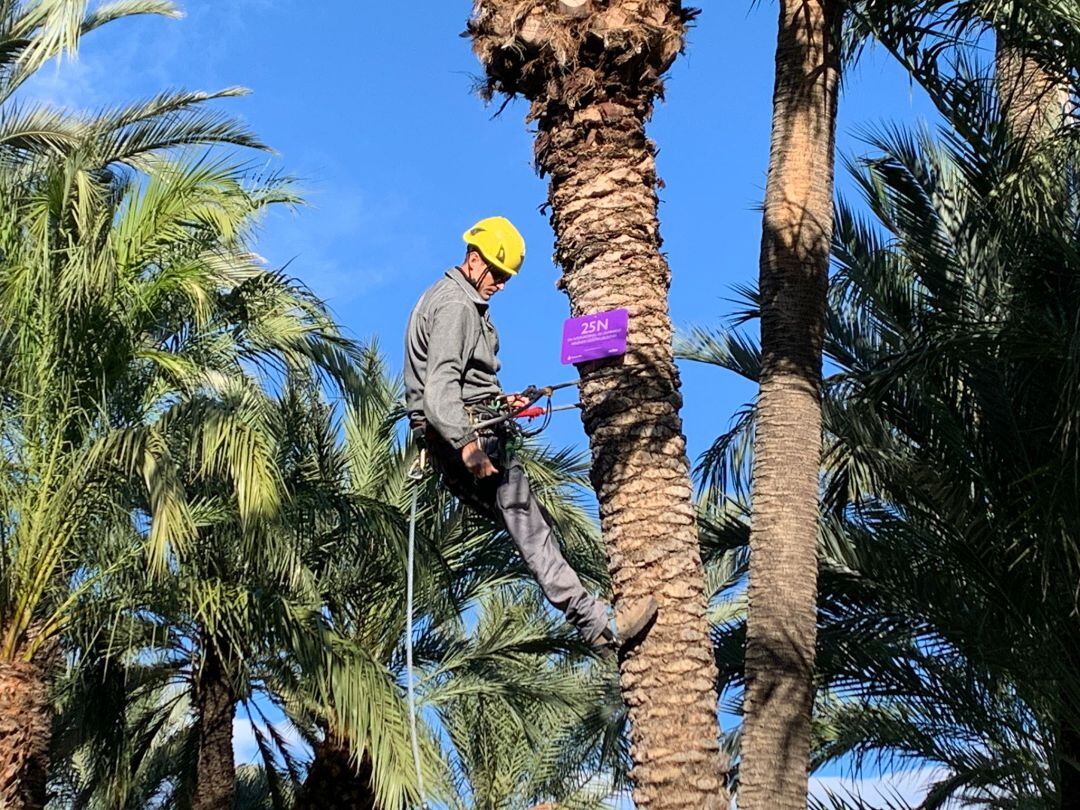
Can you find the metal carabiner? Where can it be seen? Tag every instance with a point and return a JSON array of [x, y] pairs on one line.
[[419, 466]]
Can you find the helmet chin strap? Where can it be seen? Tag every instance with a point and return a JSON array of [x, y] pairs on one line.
[[476, 284]]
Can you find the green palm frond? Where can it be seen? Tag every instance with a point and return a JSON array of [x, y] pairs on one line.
[[137, 134], [528, 728], [35, 130], [118, 9], [33, 32]]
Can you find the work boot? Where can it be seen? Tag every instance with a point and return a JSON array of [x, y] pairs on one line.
[[630, 625]]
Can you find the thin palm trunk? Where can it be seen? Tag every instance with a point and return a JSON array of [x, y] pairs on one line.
[[335, 782], [798, 221], [25, 731], [215, 699], [592, 73], [1033, 100]]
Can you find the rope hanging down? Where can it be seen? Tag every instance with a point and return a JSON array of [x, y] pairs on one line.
[[416, 475]]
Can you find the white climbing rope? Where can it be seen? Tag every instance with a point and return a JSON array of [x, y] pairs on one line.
[[416, 474]]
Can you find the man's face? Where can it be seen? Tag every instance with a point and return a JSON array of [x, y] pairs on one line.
[[487, 278]]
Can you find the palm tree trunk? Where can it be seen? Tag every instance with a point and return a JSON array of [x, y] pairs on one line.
[[591, 71], [604, 212], [798, 222], [1032, 99], [334, 783], [215, 699], [25, 731]]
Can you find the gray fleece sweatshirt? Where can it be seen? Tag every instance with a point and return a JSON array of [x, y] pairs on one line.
[[450, 357]]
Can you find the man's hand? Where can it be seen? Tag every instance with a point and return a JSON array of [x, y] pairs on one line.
[[516, 402], [477, 460]]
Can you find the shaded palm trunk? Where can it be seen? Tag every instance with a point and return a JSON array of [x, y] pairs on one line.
[[1033, 100], [592, 72], [25, 731], [335, 782], [215, 701], [781, 624]]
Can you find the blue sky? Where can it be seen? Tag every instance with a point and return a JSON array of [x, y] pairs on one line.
[[375, 113], [374, 110]]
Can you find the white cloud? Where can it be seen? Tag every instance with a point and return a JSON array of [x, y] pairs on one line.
[[122, 62], [345, 243]]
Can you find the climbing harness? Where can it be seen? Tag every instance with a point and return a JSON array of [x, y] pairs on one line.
[[416, 475], [530, 410], [533, 394]]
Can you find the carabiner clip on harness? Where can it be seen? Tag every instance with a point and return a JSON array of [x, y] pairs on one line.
[[532, 395]]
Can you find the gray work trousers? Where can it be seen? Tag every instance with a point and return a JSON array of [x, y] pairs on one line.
[[508, 498]]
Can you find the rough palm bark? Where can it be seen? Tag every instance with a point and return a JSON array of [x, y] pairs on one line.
[[215, 701], [25, 730], [782, 590], [334, 782], [592, 72], [1033, 99]]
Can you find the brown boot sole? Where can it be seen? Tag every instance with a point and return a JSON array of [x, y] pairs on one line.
[[632, 629]]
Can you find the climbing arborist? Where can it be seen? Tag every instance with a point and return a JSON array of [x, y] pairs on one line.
[[452, 385]]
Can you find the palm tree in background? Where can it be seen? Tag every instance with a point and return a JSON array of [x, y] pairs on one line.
[[948, 555], [108, 278], [561, 741], [591, 72], [814, 40], [315, 627], [518, 672], [794, 266], [65, 176]]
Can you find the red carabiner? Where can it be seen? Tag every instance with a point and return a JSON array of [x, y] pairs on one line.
[[530, 413]]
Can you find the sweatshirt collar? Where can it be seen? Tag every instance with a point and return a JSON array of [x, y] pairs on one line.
[[469, 289]]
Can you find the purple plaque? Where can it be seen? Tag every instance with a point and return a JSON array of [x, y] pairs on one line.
[[593, 337]]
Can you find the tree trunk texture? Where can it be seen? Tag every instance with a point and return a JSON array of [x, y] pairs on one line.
[[592, 80], [335, 783], [797, 230], [1032, 100], [25, 731], [604, 213], [215, 700]]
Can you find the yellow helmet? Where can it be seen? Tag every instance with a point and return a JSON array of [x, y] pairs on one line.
[[498, 242]]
